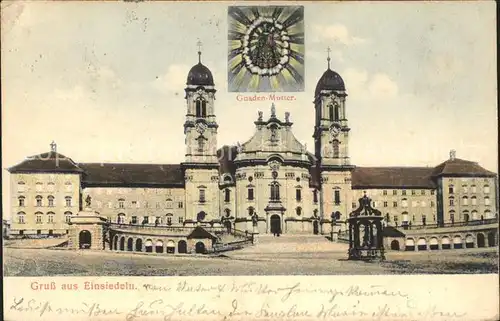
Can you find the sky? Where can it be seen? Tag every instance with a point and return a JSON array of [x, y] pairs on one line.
[[105, 80]]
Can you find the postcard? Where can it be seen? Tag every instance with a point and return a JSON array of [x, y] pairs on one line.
[[249, 160]]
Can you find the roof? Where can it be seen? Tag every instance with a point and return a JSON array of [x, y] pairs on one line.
[[200, 75], [200, 233], [392, 177], [46, 162], [132, 174], [392, 232], [330, 80], [226, 155], [460, 167]]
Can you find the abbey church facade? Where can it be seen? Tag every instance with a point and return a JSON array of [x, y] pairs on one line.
[[271, 179]]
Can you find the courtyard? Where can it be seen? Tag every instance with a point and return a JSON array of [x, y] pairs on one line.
[[284, 255]]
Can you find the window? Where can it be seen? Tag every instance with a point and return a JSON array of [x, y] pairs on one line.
[[227, 195], [450, 189], [169, 219], [422, 192], [38, 218], [67, 217], [487, 214], [134, 204], [396, 220], [413, 192], [38, 201], [405, 216], [250, 194], [473, 200], [432, 192], [474, 215], [121, 203], [315, 196], [120, 219], [432, 203], [180, 205], [394, 192], [486, 200], [331, 115], [452, 216], [39, 187], [201, 108], [181, 220], [452, 201], [21, 186], [473, 189], [202, 196], [298, 210], [68, 201], [68, 186], [145, 220], [464, 189], [298, 194], [50, 187], [384, 192], [394, 204], [337, 197], [424, 219], [275, 192], [50, 217], [385, 204], [20, 217], [51, 200], [387, 217], [486, 189], [465, 200], [336, 110], [403, 192], [133, 220], [404, 202], [21, 200], [353, 204], [170, 203], [466, 216], [336, 149]]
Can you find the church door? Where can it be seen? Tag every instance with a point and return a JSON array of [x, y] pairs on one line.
[[315, 227], [275, 224], [85, 239]]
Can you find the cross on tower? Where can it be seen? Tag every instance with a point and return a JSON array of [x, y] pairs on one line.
[[199, 44], [328, 50]]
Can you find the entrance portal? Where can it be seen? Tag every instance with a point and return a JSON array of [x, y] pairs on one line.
[[276, 224], [200, 247], [85, 240]]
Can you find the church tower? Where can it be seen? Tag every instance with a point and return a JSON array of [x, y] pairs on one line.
[[331, 131], [200, 130], [331, 140]]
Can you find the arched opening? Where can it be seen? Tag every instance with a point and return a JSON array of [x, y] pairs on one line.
[[315, 227], [182, 247], [115, 243], [422, 244], [409, 245], [138, 245], [433, 243], [149, 246], [122, 243], [480, 240], [130, 244], [201, 216], [445, 243], [275, 224], [457, 242], [491, 239], [85, 239], [200, 247], [170, 247], [395, 245], [159, 246], [469, 241]]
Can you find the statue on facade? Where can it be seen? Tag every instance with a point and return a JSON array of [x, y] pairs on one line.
[[255, 219], [273, 110], [88, 201], [287, 117], [260, 116]]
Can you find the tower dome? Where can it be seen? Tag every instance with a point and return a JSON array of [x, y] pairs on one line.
[[200, 75], [330, 80]]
